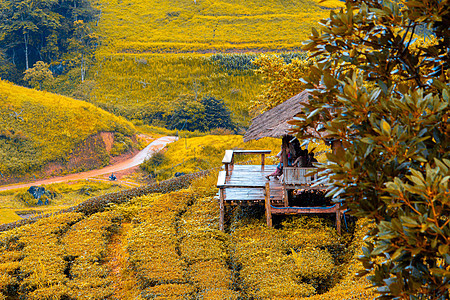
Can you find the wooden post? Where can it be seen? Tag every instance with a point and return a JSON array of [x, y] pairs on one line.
[[284, 146], [262, 161], [338, 218], [267, 203], [222, 209], [285, 196]]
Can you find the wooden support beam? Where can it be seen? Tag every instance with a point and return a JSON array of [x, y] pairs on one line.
[[302, 210], [267, 203], [222, 209], [338, 218], [285, 197]]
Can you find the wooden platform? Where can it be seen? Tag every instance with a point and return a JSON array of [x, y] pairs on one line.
[[245, 185], [248, 185]]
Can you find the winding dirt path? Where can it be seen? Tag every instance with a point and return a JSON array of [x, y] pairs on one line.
[[139, 158]]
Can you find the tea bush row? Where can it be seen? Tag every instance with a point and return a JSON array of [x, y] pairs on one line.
[[176, 248], [58, 257], [350, 286], [33, 257], [205, 249], [288, 263], [86, 247], [154, 248]]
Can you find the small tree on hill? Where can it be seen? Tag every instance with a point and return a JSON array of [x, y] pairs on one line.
[[217, 114], [203, 115], [283, 80], [386, 97], [38, 75]]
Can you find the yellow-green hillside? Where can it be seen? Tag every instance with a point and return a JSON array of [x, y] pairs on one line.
[[39, 127], [156, 53], [148, 86], [205, 25]]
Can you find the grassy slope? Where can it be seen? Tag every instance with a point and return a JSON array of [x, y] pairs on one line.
[[47, 127], [19, 202], [152, 52], [140, 86]]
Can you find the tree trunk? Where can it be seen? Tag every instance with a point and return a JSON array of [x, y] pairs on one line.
[[75, 6], [25, 39], [83, 68]]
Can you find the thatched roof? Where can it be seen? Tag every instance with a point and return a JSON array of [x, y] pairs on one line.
[[273, 123]]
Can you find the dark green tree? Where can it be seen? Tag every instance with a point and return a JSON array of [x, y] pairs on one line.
[[203, 115], [24, 23], [384, 92], [43, 30], [82, 45], [217, 115]]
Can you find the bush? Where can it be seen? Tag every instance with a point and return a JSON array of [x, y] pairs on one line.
[[157, 159], [25, 198]]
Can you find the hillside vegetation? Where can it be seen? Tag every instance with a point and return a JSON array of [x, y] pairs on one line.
[[168, 246], [156, 54], [207, 25], [37, 128]]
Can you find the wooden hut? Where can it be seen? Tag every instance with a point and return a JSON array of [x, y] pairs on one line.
[[246, 185]]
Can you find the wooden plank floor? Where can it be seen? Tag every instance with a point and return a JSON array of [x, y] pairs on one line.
[[252, 175]]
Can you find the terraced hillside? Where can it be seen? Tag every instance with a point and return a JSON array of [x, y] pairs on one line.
[[40, 130], [168, 246]]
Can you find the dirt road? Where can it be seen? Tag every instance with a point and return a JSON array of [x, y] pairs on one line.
[[153, 147]]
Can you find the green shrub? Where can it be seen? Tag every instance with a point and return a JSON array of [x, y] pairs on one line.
[[26, 198]]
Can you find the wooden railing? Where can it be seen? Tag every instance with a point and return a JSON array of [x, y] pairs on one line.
[[228, 159], [228, 162], [298, 176]]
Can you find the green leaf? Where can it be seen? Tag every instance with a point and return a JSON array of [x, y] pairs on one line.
[[445, 95], [397, 253], [439, 272], [367, 140], [443, 249], [385, 127]]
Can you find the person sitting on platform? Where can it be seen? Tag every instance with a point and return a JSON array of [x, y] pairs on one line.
[[302, 160], [311, 160], [278, 171]]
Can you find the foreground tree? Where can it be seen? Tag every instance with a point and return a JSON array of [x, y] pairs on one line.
[[384, 92]]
